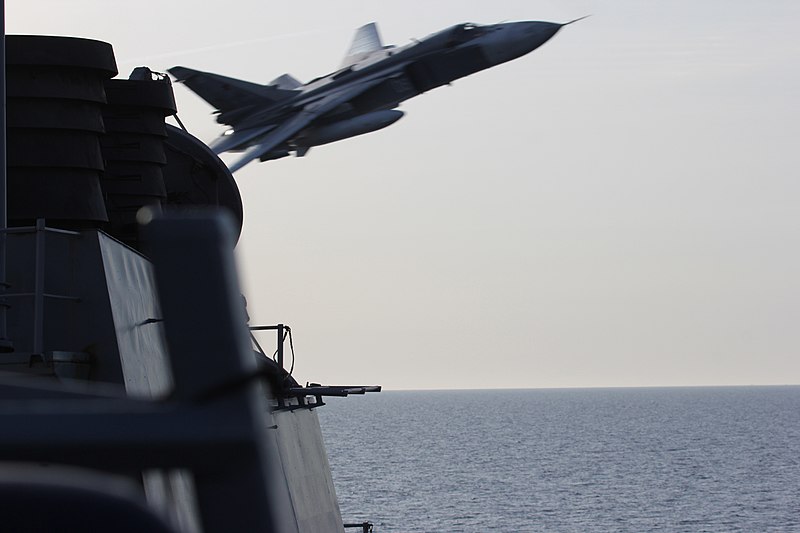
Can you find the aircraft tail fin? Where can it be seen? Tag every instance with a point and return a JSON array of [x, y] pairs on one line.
[[366, 41], [227, 94]]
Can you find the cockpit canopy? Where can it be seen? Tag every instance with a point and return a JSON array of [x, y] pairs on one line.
[[467, 31]]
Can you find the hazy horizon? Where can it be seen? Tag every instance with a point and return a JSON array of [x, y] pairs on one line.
[[603, 387], [616, 209]]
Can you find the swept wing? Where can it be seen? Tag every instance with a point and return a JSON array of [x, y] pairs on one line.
[[302, 119], [229, 95]]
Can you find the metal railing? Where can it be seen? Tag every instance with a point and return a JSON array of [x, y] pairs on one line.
[[282, 330], [39, 293]]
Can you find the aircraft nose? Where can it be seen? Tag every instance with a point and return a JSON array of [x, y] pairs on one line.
[[515, 39], [535, 34]]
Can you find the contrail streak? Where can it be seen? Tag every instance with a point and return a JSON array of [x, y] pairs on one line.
[[211, 48]]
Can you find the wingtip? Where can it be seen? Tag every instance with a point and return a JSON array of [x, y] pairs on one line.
[[179, 73]]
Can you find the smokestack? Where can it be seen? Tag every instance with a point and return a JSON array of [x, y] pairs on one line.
[[54, 114], [133, 149]]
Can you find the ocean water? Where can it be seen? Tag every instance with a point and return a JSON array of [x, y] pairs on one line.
[[660, 459]]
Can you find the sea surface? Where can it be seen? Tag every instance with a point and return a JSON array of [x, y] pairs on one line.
[[584, 460]]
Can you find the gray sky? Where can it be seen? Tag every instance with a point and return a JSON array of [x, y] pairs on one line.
[[618, 208]]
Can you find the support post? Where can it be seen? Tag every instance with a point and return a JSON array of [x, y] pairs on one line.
[[280, 345], [38, 288], [5, 342]]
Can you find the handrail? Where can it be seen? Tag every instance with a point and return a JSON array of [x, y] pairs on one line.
[[281, 329], [39, 294]]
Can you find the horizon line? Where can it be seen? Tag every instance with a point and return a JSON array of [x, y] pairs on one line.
[[599, 387]]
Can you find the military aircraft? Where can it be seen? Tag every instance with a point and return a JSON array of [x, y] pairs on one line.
[[272, 121]]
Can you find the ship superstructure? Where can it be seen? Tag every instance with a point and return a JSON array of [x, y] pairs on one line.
[[131, 396]]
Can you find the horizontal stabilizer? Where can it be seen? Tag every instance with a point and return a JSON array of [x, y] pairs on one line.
[[365, 42], [226, 93]]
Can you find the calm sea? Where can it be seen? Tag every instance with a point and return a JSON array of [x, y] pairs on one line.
[[671, 459]]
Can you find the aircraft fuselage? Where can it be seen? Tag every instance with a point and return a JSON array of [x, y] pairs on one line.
[[377, 79]]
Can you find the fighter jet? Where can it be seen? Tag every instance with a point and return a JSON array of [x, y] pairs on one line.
[[285, 116]]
